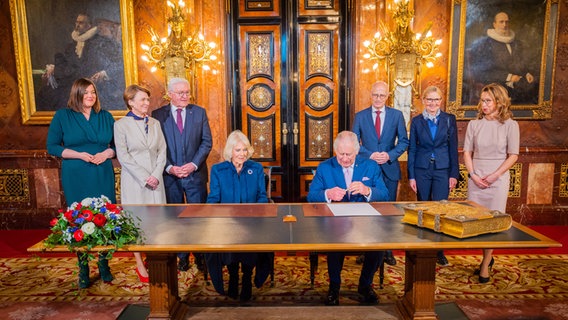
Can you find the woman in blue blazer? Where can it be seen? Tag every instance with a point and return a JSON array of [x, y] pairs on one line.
[[433, 167], [235, 180]]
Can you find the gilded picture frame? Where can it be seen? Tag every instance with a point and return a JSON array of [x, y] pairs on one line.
[[535, 27], [40, 41]]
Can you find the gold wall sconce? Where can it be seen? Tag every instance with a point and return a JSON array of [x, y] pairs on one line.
[[403, 53], [178, 55]]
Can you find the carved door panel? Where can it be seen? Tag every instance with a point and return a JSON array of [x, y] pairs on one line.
[[288, 95]]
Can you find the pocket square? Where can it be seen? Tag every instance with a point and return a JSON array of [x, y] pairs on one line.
[[365, 179]]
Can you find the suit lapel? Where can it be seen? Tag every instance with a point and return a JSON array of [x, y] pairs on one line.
[[338, 174], [357, 171], [424, 128]]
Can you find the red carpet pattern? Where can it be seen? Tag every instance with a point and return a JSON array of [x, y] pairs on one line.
[[513, 277]]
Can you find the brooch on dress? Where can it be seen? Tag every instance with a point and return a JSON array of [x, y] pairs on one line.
[[249, 171]]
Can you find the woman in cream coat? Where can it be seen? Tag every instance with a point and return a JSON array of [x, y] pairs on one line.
[[141, 150]]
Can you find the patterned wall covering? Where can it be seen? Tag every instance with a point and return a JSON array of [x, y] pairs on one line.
[[515, 186], [563, 183], [14, 186]]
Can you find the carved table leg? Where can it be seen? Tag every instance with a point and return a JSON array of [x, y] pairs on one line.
[[419, 286], [164, 296]]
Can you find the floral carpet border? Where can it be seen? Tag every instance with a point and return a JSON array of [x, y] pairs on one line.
[[513, 277]]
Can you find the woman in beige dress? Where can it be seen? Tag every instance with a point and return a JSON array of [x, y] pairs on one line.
[[141, 151], [491, 147]]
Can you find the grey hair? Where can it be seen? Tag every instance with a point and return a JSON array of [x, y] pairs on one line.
[[174, 81], [349, 137], [232, 140]]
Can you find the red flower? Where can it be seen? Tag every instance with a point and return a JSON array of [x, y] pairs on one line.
[[87, 215], [110, 206], [53, 222], [68, 215], [78, 235], [99, 220], [79, 206]]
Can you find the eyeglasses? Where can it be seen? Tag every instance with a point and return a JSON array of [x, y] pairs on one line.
[[182, 93], [382, 96], [433, 99], [486, 101]]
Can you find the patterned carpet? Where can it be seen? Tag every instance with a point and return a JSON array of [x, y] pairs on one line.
[[517, 281]]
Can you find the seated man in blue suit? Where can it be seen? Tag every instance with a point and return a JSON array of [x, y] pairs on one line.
[[349, 178]]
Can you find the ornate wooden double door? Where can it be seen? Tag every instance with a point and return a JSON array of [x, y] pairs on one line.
[[289, 76]]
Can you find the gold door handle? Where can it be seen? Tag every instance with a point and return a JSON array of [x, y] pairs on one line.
[[284, 133], [295, 131]]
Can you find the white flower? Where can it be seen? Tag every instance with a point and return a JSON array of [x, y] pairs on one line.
[[88, 228], [87, 202], [73, 206]]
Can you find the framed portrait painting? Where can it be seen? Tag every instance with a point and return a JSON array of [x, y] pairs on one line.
[[59, 41], [512, 43]]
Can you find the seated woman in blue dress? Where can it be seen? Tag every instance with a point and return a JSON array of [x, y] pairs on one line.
[[235, 180]]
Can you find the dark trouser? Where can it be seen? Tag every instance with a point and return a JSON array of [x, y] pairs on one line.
[[370, 266], [432, 184], [392, 187]]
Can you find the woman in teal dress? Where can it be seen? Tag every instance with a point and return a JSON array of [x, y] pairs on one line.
[[82, 135]]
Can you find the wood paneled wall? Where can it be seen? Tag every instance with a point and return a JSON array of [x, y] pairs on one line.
[[544, 158]]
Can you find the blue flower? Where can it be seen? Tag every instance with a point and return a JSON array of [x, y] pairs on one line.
[[103, 209], [75, 213], [79, 220], [112, 216], [117, 229]]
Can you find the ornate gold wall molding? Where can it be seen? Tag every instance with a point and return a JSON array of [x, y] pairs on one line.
[[14, 185], [563, 183]]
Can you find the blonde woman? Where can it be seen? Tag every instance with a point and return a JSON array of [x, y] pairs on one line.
[[491, 147]]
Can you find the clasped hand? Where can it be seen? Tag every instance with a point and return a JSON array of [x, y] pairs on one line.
[[183, 171], [152, 182], [380, 157], [97, 159], [484, 182]]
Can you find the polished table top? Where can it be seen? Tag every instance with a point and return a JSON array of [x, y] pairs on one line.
[[257, 227], [260, 227]]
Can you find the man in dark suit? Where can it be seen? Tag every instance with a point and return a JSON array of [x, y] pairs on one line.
[[382, 141], [188, 137], [502, 58], [349, 178]]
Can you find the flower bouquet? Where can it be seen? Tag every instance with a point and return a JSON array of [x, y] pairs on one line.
[[94, 222]]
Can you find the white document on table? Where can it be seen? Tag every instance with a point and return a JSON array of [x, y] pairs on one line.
[[352, 209]]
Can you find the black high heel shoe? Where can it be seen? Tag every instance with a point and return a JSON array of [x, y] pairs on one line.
[[478, 271]]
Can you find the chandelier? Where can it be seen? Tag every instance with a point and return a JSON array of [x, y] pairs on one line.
[[178, 55], [403, 51]]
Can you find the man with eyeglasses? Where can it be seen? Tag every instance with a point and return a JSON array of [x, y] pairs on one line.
[[382, 133], [188, 138]]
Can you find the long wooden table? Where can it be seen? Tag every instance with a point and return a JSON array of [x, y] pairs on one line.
[[261, 227]]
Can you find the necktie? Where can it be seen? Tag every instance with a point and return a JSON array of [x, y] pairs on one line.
[[179, 120], [347, 175], [378, 124]]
